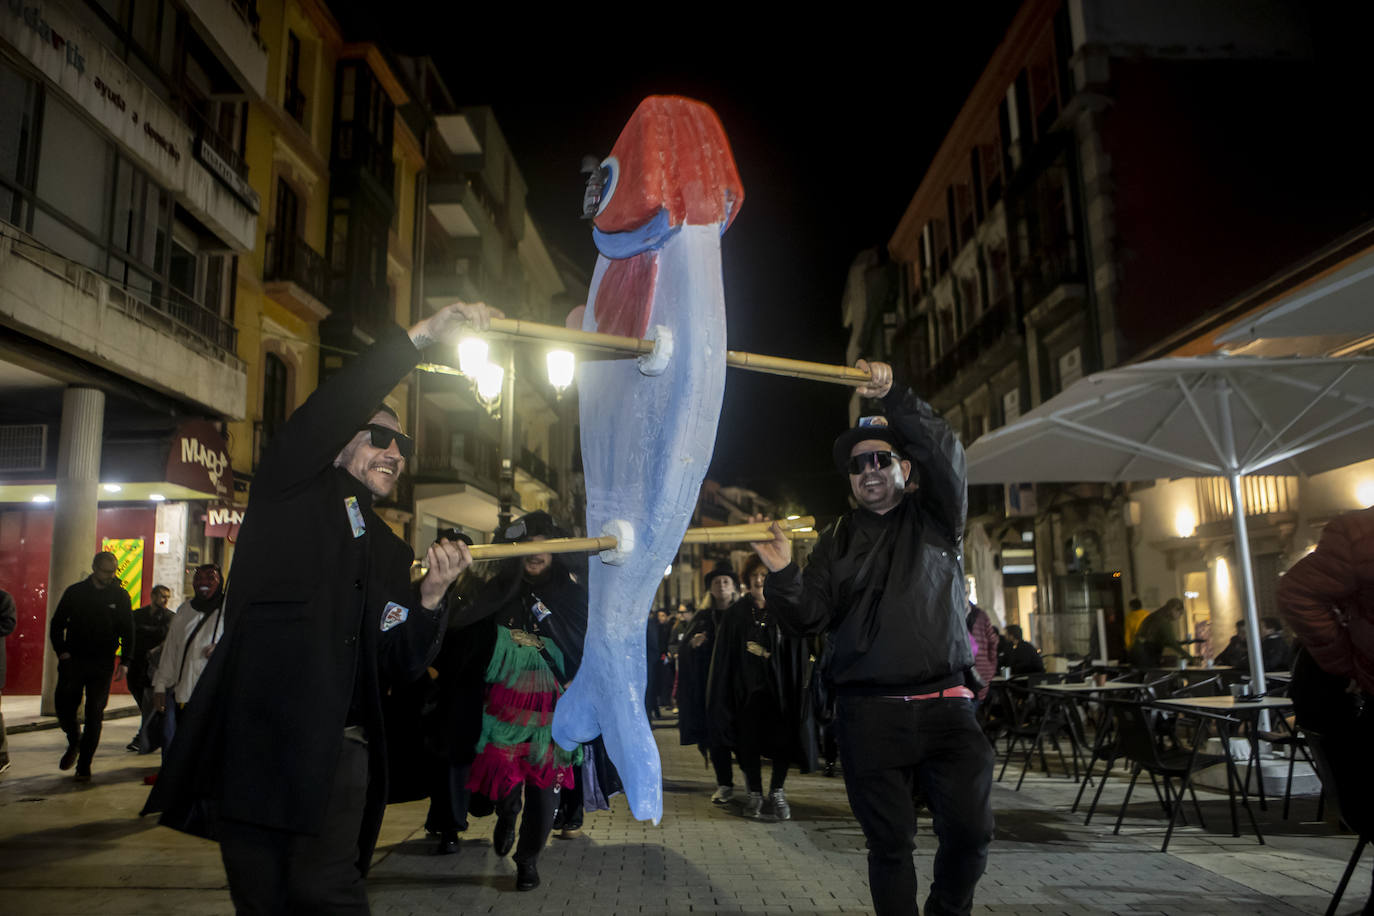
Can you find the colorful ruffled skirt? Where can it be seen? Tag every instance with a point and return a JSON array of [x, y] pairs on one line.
[[516, 744]]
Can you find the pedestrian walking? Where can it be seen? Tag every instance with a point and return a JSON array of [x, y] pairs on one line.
[[93, 620], [888, 582], [151, 623], [540, 609], [280, 755], [9, 620], [694, 670], [757, 700]]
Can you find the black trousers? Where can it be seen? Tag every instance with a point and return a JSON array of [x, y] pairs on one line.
[[760, 725], [279, 873], [448, 797], [888, 747], [720, 762], [539, 806], [75, 677]]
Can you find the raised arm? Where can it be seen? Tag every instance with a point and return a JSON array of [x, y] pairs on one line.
[[934, 449]]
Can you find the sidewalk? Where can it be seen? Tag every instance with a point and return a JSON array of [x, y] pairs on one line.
[[69, 849], [21, 713]]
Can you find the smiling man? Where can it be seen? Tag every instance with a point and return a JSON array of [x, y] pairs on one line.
[[887, 583], [280, 753]]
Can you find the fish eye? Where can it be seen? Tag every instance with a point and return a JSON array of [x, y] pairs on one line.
[[610, 177]]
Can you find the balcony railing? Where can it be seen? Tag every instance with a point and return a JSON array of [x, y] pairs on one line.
[[987, 331], [478, 460], [538, 468], [291, 259], [1261, 494], [201, 320], [210, 136], [247, 10], [1048, 269]]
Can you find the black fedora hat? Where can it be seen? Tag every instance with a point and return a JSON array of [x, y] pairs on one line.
[[722, 569], [875, 428]]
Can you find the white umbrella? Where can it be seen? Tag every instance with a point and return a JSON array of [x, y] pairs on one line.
[[1224, 416], [1338, 304]]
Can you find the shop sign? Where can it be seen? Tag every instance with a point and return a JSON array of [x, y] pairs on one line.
[[129, 564], [198, 459], [238, 185], [223, 521]]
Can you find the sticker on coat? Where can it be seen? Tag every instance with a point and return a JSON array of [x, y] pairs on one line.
[[394, 615]]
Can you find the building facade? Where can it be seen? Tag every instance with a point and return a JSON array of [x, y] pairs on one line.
[[1113, 175]]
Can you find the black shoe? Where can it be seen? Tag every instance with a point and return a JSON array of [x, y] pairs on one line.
[[830, 769], [69, 758], [503, 837], [526, 876], [448, 844], [83, 776], [132, 745]]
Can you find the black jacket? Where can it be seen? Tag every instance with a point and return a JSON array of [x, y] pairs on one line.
[[90, 623], [150, 630], [901, 630], [780, 684], [693, 673], [304, 616], [9, 619]]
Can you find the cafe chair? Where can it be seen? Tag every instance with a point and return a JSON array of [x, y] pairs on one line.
[[1358, 821], [1136, 742], [1033, 722]]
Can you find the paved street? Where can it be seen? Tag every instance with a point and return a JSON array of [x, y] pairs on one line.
[[69, 849]]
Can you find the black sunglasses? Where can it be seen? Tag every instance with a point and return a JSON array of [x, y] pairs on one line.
[[383, 436], [864, 460]]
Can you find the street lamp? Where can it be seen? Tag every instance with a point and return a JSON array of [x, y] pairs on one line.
[[561, 364], [472, 356], [490, 377]]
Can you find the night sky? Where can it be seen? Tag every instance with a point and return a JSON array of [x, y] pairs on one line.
[[832, 126]]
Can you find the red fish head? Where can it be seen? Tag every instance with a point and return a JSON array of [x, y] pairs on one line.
[[672, 157]]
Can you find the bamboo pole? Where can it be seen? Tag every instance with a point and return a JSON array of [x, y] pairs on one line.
[[773, 365], [722, 534], [482, 552]]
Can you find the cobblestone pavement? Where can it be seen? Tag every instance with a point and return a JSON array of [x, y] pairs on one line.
[[72, 849]]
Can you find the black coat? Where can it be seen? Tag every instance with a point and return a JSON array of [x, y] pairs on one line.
[[9, 619], [784, 677], [693, 674], [304, 613]]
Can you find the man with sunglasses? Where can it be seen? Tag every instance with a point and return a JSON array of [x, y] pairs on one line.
[[281, 752], [886, 582]]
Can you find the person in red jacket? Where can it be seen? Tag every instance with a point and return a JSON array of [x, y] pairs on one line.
[[1327, 598]]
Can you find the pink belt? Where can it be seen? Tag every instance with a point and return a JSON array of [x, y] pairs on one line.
[[961, 692]]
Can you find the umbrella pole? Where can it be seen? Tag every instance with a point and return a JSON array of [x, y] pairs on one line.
[[1247, 573]]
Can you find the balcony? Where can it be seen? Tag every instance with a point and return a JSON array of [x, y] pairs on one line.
[[231, 29], [1049, 277], [78, 311], [994, 327], [356, 148], [296, 276], [533, 473], [477, 463]]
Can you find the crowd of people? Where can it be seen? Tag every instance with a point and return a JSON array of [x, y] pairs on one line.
[[330, 681]]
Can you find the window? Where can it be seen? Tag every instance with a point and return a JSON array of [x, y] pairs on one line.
[[275, 380], [18, 100], [72, 186], [1070, 368], [286, 223], [293, 99]]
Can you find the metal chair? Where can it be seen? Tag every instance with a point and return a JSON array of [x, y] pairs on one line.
[[1137, 743], [1358, 821]]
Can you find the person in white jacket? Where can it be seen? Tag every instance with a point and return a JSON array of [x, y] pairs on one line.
[[195, 630]]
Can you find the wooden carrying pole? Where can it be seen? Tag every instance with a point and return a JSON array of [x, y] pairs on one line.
[[723, 534], [773, 365]]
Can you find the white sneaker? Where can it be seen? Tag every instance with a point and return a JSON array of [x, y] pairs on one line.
[[754, 806], [723, 795], [781, 809]]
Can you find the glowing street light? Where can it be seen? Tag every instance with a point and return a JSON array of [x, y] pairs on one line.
[[489, 380], [1184, 522], [561, 364], [1364, 493], [472, 356]]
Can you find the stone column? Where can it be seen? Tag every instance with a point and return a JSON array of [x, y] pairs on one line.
[[74, 508]]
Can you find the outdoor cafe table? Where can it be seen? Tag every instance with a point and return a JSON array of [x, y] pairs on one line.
[[1084, 691], [1228, 711]]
